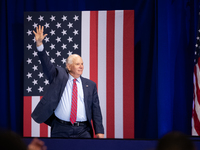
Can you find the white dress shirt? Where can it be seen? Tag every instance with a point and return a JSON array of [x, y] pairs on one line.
[[63, 109]]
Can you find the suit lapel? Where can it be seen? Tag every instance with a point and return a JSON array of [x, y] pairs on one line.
[[85, 90], [64, 82]]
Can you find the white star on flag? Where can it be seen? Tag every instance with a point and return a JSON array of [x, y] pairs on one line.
[[41, 18], [52, 46], [35, 82], [29, 89], [52, 60], [29, 46], [63, 60], [69, 53], [29, 32], [40, 75], [40, 89], [29, 18], [70, 25], [58, 39], [46, 25], [29, 75], [75, 46], [53, 18], [70, 39], [58, 53], [35, 53], [75, 32], [35, 67], [29, 61], [52, 32], [47, 52], [75, 18], [46, 39], [34, 40], [58, 25], [46, 82], [64, 32], [35, 25], [64, 18], [64, 46]]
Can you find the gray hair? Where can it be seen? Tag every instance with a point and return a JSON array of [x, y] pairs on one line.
[[70, 59]]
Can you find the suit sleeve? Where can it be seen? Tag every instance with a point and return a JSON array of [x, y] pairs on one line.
[[48, 68], [97, 116]]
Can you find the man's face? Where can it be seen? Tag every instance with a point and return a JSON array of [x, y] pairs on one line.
[[76, 68]]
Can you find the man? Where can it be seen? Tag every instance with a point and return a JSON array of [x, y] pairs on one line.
[[71, 101]]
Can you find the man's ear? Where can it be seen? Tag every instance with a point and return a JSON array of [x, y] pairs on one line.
[[68, 67]]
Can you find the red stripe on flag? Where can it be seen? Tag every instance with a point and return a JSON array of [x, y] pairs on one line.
[[128, 74], [197, 80], [27, 117], [94, 46], [195, 116], [110, 74], [43, 128], [196, 122], [94, 50]]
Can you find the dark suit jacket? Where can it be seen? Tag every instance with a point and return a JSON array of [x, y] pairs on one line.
[[58, 77]]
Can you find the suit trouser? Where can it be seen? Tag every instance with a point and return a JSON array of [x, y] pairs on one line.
[[59, 129]]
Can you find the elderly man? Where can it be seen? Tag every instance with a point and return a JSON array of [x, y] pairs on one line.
[[71, 101]]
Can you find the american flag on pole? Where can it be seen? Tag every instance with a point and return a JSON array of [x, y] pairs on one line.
[[105, 41], [196, 86]]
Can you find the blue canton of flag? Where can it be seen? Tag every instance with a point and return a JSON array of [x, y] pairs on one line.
[[63, 39]]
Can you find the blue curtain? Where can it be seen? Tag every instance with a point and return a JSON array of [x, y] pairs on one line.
[[165, 33]]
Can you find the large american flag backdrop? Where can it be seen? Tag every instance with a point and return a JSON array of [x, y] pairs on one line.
[[196, 85], [105, 41]]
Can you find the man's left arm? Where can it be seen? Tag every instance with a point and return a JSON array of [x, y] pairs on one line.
[[97, 116]]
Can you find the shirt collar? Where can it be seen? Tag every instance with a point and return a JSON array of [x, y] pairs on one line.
[[72, 78]]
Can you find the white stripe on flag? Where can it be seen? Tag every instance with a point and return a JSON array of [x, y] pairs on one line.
[[198, 74], [85, 43], [49, 131], [35, 127], [194, 132], [197, 107], [118, 74], [102, 64]]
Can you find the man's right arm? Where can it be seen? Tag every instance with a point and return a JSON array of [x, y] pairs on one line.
[[48, 68]]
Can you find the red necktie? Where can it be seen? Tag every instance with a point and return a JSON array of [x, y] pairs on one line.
[[74, 103]]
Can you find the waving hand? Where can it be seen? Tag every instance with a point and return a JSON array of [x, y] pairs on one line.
[[39, 36]]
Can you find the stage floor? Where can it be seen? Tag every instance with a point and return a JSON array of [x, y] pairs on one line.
[[102, 144]]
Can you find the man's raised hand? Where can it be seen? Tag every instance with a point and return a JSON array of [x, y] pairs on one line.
[[39, 35]]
